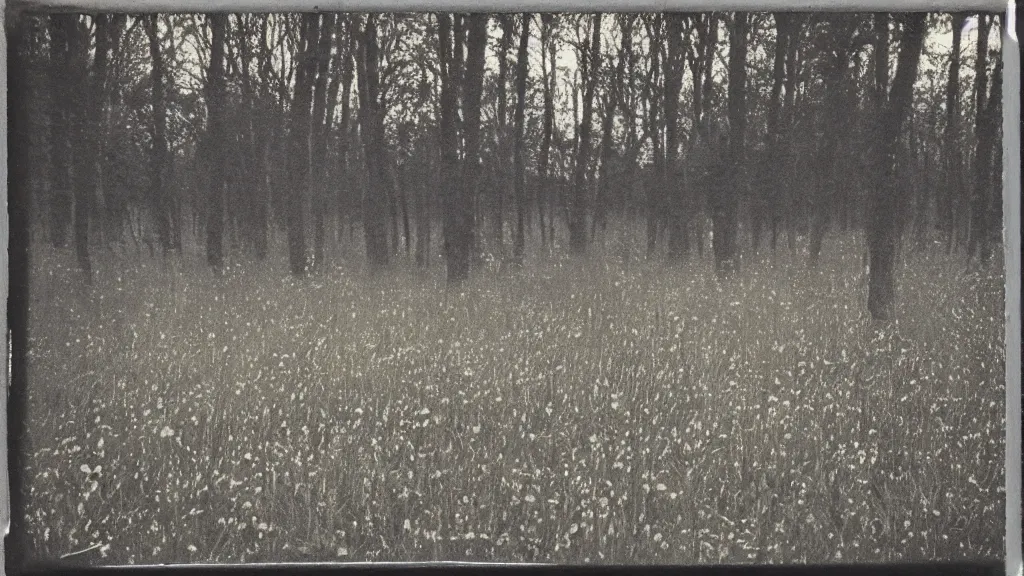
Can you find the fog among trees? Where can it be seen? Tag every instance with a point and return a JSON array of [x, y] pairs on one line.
[[449, 139]]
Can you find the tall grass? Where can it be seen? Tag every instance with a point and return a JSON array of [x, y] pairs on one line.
[[568, 412]]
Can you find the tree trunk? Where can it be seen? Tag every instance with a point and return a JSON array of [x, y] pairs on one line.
[[261, 148], [655, 186], [675, 191], [459, 212], [344, 193], [725, 212], [952, 164], [501, 148], [448, 140], [777, 175], [300, 125], [883, 226], [90, 121], [321, 125], [522, 69], [375, 199], [158, 150], [823, 196], [577, 208], [983, 148], [992, 179], [543, 162], [216, 138]]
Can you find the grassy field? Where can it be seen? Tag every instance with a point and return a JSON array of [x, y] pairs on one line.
[[570, 412]]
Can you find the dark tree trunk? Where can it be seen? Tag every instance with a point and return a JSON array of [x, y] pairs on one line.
[[655, 187], [519, 162], [158, 150], [216, 139], [498, 200], [614, 101], [985, 125], [675, 190], [253, 136], [449, 144], [424, 198], [401, 202], [344, 176], [329, 202], [261, 149], [981, 152], [777, 176], [952, 164], [375, 199], [460, 229], [883, 225], [321, 125], [543, 162], [993, 197], [577, 208], [824, 196], [89, 124], [709, 47], [299, 144], [725, 211]]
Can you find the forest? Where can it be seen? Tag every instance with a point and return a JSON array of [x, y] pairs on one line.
[[507, 286], [464, 135]]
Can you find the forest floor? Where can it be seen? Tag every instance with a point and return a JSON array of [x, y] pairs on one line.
[[569, 412]]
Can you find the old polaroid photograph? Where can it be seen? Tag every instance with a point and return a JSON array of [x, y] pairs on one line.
[[613, 288]]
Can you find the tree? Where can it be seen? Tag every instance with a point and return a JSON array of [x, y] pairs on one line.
[[544, 159], [612, 101], [883, 226], [986, 126], [656, 187], [519, 162], [838, 46], [725, 209], [89, 122], [777, 177], [459, 179], [674, 63], [701, 59], [994, 184], [322, 102], [472, 90], [158, 149], [952, 163], [577, 205], [500, 153], [371, 130], [216, 139], [344, 132], [795, 27], [299, 168]]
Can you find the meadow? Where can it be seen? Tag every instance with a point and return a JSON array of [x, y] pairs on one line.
[[568, 412]]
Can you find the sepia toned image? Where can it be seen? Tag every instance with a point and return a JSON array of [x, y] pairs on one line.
[[655, 288]]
